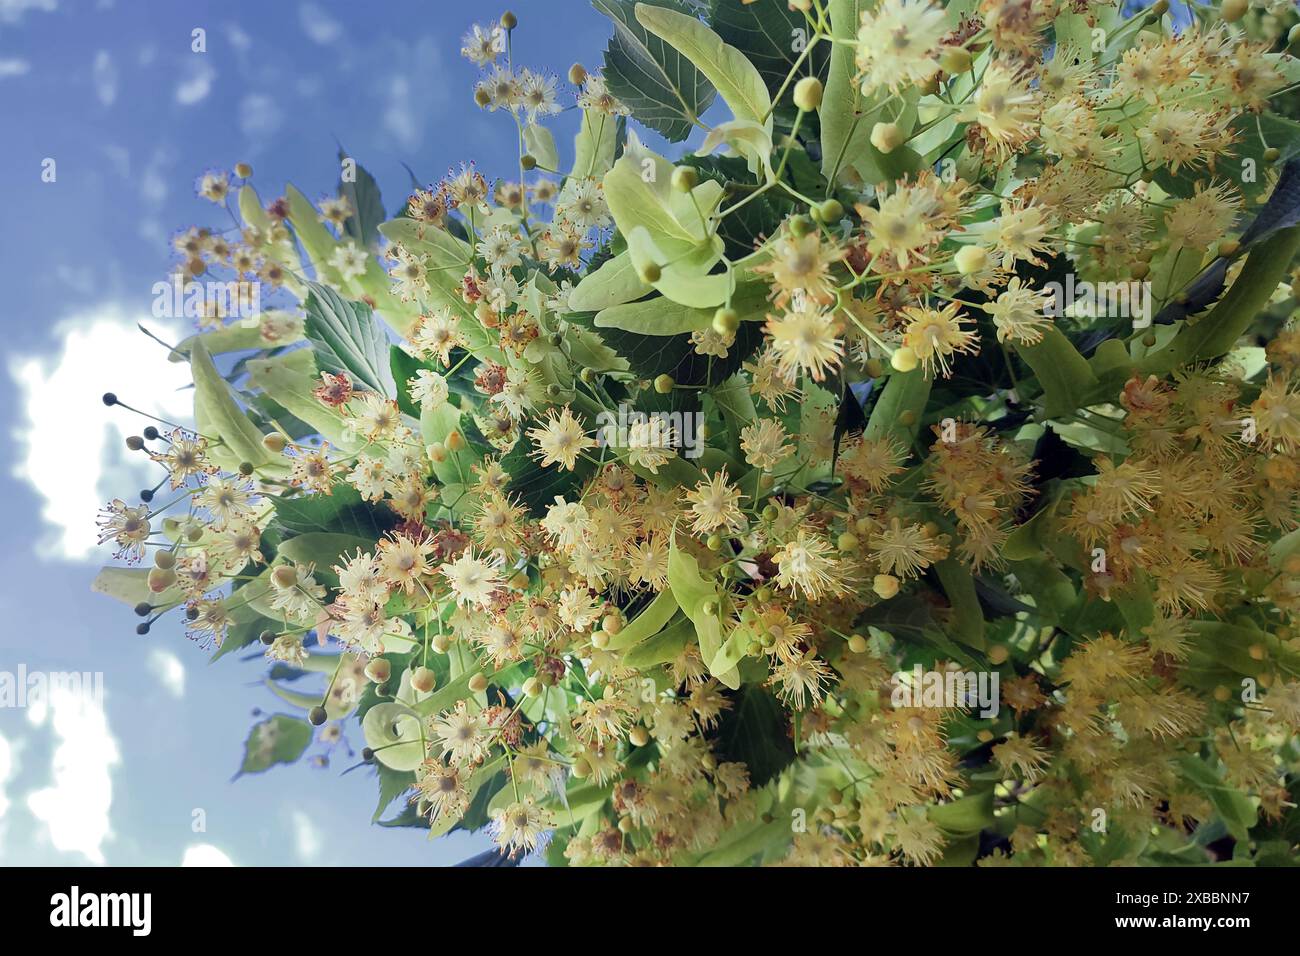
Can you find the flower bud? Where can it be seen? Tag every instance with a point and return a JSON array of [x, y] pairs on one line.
[[478, 683], [664, 384], [955, 59], [903, 359], [509, 21], [808, 94], [857, 644], [317, 715], [533, 687], [243, 170], [528, 162], [885, 585], [577, 74], [423, 680], [379, 670], [1234, 10], [970, 259], [726, 321], [650, 273], [160, 579], [685, 178], [284, 576], [274, 442], [638, 736], [886, 137]]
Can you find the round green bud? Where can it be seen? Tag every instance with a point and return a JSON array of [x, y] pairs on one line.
[[887, 137], [808, 94], [685, 178], [955, 59], [650, 273], [799, 226], [1272, 154], [714, 542], [317, 715], [726, 321], [830, 211], [528, 161], [1234, 10], [664, 384]]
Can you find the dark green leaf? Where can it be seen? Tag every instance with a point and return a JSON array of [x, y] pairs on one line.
[[754, 732], [661, 87], [278, 739], [367, 209]]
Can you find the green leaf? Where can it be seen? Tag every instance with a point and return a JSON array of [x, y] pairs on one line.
[[288, 380], [1215, 333], [130, 586], [595, 144], [396, 734], [317, 240], [343, 512], [693, 592], [541, 144], [904, 395], [646, 624], [764, 31], [965, 816], [737, 81], [345, 338], [278, 739], [614, 283], [392, 784], [1236, 810], [216, 415], [323, 549], [367, 206], [1063, 373], [663, 647], [967, 615], [687, 282], [652, 78], [756, 732]]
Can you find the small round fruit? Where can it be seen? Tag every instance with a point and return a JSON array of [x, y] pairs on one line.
[[639, 736], [317, 715], [808, 94], [885, 585], [423, 680], [904, 359], [857, 644], [1233, 10], [685, 178], [886, 137]]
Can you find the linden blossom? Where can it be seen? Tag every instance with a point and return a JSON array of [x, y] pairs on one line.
[[238, 298]]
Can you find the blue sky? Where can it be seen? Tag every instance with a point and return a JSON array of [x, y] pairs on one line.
[[112, 92]]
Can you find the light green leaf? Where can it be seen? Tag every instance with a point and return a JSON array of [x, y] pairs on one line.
[[646, 624], [217, 416], [594, 146], [395, 733], [541, 144], [324, 549], [614, 283], [693, 592], [737, 81]]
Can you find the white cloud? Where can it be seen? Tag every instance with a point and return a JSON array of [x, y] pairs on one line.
[[6, 768], [259, 115], [238, 39], [205, 854], [104, 74], [74, 808], [71, 446], [169, 670], [306, 838], [319, 25], [198, 84], [11, 11], [14, 67], [7, 764]]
